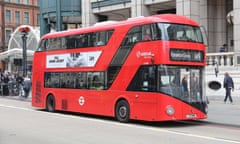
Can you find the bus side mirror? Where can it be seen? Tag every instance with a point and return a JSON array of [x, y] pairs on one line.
[[214, 85]]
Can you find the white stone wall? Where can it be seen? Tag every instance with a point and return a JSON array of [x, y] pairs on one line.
[[139, 9], [210, 76], [189, 8], [236, 28], [88, 18]]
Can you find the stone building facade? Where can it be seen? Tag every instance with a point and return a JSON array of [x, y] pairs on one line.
[[13, 14]]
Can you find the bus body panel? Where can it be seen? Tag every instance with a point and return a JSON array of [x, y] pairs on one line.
[[144, 106], [37, 83], [147, 106]]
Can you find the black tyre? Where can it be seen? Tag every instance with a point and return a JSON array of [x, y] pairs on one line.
[[122, 111], [50, 103]]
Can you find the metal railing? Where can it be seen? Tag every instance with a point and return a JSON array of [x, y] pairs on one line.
[[221, 59]]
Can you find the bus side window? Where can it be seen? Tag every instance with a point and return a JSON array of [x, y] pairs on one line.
[[80, 41], [109, 34], [63, 43], [69, 42], [42, 45], [81, 80], [144, 80], [133, 36], [101, 38], [157, 33], [126, 41], [147, 33], [96, 80]]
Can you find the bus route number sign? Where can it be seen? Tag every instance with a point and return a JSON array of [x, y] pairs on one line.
[[186, 55]]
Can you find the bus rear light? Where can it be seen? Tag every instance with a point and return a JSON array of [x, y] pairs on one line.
[[170, 110]]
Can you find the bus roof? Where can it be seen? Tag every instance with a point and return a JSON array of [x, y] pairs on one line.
[[164, 18]]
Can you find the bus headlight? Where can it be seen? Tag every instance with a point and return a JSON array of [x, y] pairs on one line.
[[170, 110]]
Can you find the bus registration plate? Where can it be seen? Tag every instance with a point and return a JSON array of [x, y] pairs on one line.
[[191, 116]]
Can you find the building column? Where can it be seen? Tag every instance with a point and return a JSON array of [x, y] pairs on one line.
[[88, 18], [211, 15], [139, 8], [236, 29], [58, 16], [217, 25], [204, 21], [189, 8]]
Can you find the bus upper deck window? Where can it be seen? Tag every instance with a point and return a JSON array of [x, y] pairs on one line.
[[42, 46], [147, 34]]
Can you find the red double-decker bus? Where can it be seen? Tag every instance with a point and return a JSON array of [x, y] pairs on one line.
[[145, 68]]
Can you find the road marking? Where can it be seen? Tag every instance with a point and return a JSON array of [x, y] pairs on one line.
[[126, 125]]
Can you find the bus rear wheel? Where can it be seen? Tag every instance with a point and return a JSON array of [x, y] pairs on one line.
[[122, 111], [50, 103]]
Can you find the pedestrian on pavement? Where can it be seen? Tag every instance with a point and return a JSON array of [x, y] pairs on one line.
[[228, 84], [223, 48], [26, 86], [5, 81], [20, 80]]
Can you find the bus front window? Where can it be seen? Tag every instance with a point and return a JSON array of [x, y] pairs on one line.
[[181, 82], [180, 32]]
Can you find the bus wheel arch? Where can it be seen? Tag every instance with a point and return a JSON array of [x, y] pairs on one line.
[[50, 103], [122, 110]]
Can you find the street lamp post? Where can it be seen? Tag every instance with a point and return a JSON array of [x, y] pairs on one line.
[[24, 31]]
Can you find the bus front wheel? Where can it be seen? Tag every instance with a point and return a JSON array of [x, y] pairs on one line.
[[122, 111], [50, 103]]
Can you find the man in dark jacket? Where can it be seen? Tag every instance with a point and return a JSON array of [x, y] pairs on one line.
[[20, 80], [27, 86], [228, 85]]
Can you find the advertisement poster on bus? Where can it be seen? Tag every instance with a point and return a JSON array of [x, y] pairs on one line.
[[74, 60]]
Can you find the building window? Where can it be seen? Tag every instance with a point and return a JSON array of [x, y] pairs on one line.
[[8, 16], [26, 2], [17, 1], [8, 35], [17, 17], [38, 2], [26, 18], [7, 0], [38, 19]]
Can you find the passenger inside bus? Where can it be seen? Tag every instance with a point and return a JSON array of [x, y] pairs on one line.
[[100, 43], [184, 36], [147, 35], [96, 83], [185, 85], [83, 42], [80, 84]]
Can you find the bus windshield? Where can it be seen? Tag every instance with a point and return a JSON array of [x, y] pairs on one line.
[[184, 83], [179, 32]]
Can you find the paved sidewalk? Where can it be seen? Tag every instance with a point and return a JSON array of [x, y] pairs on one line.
[[18, 98], [219, 112]]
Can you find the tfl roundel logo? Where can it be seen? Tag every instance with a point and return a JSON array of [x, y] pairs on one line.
[[81, 100]]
